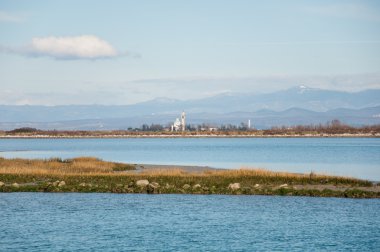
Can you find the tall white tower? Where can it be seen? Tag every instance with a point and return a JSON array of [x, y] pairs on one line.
[[183, 120], [249, 124]]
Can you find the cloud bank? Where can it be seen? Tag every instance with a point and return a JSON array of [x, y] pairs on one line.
[[68, 48]]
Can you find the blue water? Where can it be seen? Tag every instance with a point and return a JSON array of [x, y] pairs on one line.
[[358, 157], [132, 222]]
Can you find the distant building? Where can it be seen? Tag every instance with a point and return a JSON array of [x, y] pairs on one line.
[[179, 124]]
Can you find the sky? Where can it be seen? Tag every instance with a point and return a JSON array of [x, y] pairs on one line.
[[125, 52]]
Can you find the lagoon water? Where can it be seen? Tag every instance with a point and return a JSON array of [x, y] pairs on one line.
[[138, 222], [358, 157]]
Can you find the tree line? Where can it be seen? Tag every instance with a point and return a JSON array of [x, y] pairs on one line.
[[332, 127]]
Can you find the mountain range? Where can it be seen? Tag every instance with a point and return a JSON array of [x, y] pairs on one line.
[[298, 105]]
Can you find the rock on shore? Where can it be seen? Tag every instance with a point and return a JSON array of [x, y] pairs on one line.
[[62, 183], [153, 188], [142, 182], [234, 186]]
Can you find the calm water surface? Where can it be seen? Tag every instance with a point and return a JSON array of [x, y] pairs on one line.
[[132, 222], [359, 157]]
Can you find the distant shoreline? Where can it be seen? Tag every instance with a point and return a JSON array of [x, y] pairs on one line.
[[335, 129], [369, 135]]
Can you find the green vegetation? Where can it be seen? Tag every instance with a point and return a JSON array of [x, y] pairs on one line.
[[94, 175]]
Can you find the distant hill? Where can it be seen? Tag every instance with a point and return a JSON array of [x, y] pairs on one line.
[[298, 105], [261, 119], [298, 97]]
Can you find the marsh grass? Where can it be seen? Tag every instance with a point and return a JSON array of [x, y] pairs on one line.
[[115, 177], [255, 175], [58, 166]]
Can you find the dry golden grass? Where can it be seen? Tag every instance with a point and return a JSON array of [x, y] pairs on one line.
[[56, 166], [89, 166], [245, 172], [172, 172], [238, 173], [254, 176]]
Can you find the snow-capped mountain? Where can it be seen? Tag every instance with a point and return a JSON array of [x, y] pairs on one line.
[[224, 107]]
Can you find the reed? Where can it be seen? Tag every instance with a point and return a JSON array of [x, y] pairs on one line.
[[57, 166], [94, 166], [255, 175], [88, 174]]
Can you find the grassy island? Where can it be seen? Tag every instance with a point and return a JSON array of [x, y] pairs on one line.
[[87, 174]]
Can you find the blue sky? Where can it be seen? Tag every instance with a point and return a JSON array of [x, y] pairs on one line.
[[123, 52]]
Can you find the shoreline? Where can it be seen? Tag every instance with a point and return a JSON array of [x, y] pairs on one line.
[[186, 168], [346, 135]]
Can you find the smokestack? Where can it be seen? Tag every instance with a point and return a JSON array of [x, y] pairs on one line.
[[183, 121]]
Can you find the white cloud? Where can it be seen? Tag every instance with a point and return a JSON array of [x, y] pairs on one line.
[[80, 47], [87, 47], [67, 48], [9, 17]]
